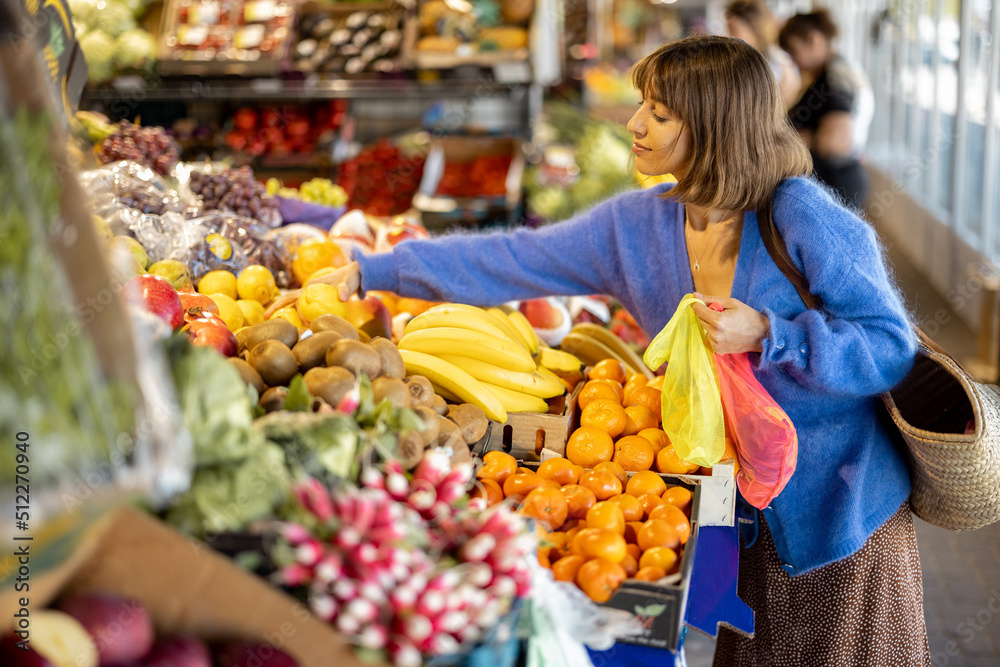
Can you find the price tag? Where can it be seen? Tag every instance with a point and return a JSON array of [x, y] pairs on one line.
[[192, 35], [249, 37], [205, 13], [513, 72]]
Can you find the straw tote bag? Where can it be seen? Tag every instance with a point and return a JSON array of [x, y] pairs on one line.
[[949, 422]]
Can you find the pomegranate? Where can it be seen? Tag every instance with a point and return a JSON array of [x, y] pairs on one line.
[[157, 295], [196, 305], [210, 331]]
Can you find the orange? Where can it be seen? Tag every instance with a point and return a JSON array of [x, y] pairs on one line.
[[588, 446], [630, 564], [605, 414], [543, 558], [632, 529], [730, 453], [649, 502], [634, 382], [598, 543], [579, 470], [633, 452], [616, 386], [613, 468], [633, 550], [672, 515], [656, 437], [661, 557], [559, 470], [488, 489], [594, 390], [565, 568], [521, 484], [680, 497], [497, 466], [631, 507], [649, 397], [599, 578], [564, 550], [648, 573], [522, 471], [657, 533], [579, 499], [644, 482], [638, 418], [547, 505], [603, 484], [608, 369], [667, 461], [608, 516], [657, 382]]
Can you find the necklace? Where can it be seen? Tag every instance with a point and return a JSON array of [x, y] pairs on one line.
[[697, 258]]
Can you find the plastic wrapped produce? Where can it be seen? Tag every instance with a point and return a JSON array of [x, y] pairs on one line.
[[133, 186], [253, 239], [233, 191], [200, 247]]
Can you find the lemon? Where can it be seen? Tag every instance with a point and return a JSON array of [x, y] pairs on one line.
[[314, 255], [320, 299], [256, 282], [229, 311], [253, 311], [218, 282], [288, 314]]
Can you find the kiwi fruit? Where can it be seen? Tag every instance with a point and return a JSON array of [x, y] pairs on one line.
[[393, 389], [449, 433], [330, 384], [388, 354], [411, 450], [276, 329], [432, 425], [311, 352], [471, 420], [250, 374], [273, 399], [274, 361], [440, 405], [460, 452], [331, 322], [421, 391], [355, 356]]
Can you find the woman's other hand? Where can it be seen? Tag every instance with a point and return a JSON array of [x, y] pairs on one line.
[[737, 328], [347, 280]]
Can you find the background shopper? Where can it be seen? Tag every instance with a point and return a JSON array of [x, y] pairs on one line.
[[751, 21]]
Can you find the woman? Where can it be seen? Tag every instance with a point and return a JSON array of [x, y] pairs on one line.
[[751, 21], [835, 109], [836, 555]]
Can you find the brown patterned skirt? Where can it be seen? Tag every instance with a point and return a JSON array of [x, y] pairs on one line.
[[866, 609]]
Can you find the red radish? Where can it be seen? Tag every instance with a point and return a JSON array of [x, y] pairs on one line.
[[372, 591], [478, 548], [347, 624], [373, 636], [315, 498], [363, 610], [294, 534], [349, 403], [402, 599], [330, 568], [433, 468], [443, 645], [210, 331], [404, 653], [178, 652], [324, 606], [309, 553], [478, 504], [417, 628], [523, 580], [421, 499], [345, 590], [393, 466], [451, 622], [445, 581], [372, 478], [431, 603], [347, 538], [478, 575], [397, 485], [503, 587], [156, 295]]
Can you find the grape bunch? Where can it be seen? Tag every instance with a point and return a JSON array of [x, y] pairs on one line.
[[151, 146], [235, 190]]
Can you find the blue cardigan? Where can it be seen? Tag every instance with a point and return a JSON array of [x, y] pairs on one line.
[[825, 368]]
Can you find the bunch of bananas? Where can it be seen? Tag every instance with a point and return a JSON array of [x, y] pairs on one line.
[[488, 357], [592, 343]]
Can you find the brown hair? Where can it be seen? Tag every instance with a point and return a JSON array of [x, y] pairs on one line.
[[757, 17], [723, 91], [801, 25]]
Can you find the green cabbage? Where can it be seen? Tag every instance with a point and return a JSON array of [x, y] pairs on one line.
[[114, 19], [134, 48], [99, 50]]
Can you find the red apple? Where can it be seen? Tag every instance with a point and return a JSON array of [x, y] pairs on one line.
[[210, 331], [196, 305], [121, 629], [157, 295], [541, 314], [245, 654], [178, 652], [245, 119], [369, 315], [12, 656]]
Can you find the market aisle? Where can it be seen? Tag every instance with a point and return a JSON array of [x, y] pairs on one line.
[[961, 578]]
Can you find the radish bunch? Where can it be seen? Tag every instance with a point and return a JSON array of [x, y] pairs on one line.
[[381, 565]]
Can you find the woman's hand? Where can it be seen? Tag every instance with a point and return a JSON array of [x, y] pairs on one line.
[[738, 328], [347, 280]]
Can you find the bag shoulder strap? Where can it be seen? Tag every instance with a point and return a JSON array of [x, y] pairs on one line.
[[778, 251]]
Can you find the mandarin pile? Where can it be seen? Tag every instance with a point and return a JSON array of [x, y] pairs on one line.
[[598, 527]]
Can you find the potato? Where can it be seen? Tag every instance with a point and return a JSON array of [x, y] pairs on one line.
[[178, 652], [246, 654], [121, 628]]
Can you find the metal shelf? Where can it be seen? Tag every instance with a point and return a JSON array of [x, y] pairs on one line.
[[301, 90]]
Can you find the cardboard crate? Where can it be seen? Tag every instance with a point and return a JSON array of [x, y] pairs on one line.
[[187, 588]]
